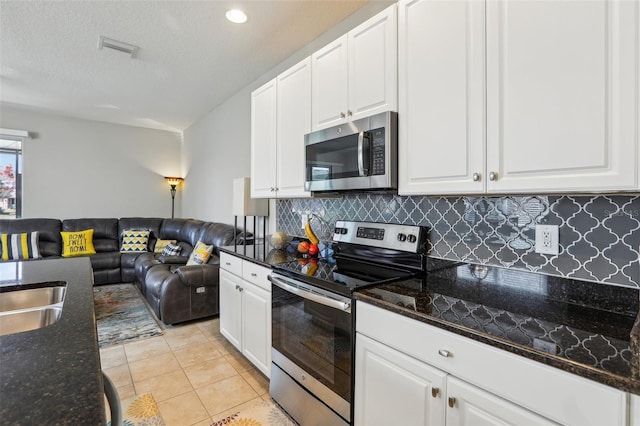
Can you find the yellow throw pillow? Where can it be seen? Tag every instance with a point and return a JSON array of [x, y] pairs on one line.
[[20, 246], [161, 244], [200, 254], [78, 243], [134, 241]]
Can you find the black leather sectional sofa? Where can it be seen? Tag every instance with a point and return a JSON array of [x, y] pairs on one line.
[[176, 292]]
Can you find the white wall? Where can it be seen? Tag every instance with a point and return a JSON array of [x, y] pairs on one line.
[[80, 168], [217, 147]]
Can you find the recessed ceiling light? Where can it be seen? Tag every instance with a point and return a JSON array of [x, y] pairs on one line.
[[236, 16]]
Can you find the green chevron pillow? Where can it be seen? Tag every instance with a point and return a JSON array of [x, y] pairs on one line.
[[134, 240]]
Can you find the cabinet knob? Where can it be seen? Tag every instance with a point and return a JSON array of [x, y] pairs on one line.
[[452, 402], [435, 392], [493, 175], [237, 286], [253, 274], [445, 353], [240, 289], [476, 177], [227, 263], [272, 189], [342, 115], [349, 113]]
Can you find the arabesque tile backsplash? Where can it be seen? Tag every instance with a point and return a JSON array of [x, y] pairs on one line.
[[599, 235]]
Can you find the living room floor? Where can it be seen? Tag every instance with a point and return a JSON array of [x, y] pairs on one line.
[[193, 372]]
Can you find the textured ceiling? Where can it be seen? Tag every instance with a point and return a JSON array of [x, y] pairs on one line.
[[191, 59]]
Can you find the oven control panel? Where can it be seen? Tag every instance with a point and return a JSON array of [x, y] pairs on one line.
[[388, 235]]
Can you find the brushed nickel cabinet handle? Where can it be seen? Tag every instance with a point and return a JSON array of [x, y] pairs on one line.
[[227, 263], [452, 402], [476, 177], [349, 113], [493, 176], [253, 274], [342, 115], [445, 353], [435, 392]]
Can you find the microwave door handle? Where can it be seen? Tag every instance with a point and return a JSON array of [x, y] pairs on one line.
[[361, 154], [332, 303]]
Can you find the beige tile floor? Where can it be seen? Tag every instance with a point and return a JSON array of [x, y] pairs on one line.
[[193, 372]]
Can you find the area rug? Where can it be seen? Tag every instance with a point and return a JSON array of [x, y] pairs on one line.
[[140, 410], [261, 413], [122, 315]]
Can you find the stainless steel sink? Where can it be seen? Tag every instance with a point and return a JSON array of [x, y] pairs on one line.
[[29, 319], [25, 309], [31, 298]]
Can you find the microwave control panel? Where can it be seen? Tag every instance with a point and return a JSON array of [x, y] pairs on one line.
[[377, 151]]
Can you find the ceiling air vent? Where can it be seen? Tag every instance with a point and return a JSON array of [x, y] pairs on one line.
[[120, 46]]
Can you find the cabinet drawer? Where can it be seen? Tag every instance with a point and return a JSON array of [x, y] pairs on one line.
[[256, 274], [231, 263], [545, 390]]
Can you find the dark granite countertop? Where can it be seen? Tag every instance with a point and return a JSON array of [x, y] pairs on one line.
[[260, 253], [588, 329], [52, 375]]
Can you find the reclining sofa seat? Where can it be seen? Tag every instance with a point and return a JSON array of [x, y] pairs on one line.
[[127, 260], [49, 240], [106, 241], [177, 292]]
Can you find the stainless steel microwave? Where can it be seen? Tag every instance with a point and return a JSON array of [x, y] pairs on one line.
[[359, 155]]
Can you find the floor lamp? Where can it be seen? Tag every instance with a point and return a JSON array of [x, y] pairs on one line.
[[244, 205], [173, 182]]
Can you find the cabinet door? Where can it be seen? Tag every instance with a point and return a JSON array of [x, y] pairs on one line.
[[329, 85], [471, 406], [263, 141], [256, 326], [561, 90], [394, 389], [230, 308], [442, 102], [294, 121], [373, 64]]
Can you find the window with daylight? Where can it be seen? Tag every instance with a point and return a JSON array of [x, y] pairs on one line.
[[11, 173]]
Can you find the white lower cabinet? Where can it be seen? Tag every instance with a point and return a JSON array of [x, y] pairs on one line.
[[395, 389], [468, 405], [245, 309], [411, 373]]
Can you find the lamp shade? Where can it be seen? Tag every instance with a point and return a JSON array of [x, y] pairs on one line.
[[243, 204], [173, 180]]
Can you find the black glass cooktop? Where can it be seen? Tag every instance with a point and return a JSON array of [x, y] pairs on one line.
[[340, 275]]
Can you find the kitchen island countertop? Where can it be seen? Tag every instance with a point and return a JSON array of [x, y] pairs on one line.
[[52, 375]]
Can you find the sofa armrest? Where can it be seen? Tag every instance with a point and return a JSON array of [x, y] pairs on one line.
[[173, 260], [198, 275]]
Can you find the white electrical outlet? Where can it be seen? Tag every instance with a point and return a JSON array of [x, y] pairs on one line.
[[547, 239]]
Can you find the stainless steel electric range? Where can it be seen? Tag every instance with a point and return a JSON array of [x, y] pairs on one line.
[[313, 315]]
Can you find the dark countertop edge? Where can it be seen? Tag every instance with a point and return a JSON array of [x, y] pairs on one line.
[[58, 378], [626, 384], [240, 253]]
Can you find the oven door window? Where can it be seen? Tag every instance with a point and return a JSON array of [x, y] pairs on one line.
[[336, 159], [317, 338]]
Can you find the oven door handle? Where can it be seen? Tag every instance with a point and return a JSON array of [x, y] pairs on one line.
[[305, 294]]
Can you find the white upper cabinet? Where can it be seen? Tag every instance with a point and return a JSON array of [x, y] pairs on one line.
[[329, 86], [561, 95], [293, 122], [555, 110], [263, 141], [356, 75], [442, 80], [280, 117]]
